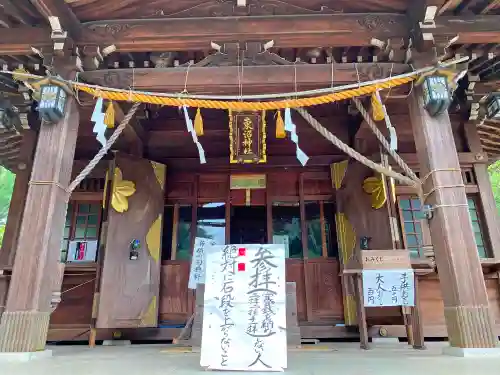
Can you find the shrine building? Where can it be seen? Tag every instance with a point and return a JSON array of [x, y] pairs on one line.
[[332, 127]]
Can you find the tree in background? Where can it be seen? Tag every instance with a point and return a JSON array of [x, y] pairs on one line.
[[494, 170], [6, 187]]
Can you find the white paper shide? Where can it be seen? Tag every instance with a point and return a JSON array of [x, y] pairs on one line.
[[388, 288], [244, 320], [197, 271]]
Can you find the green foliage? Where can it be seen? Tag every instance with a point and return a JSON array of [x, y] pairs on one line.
[[494, 170], [6, 187]]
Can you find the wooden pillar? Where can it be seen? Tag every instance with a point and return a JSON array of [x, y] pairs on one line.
[[467, 313], [18, 199], [25, 322]]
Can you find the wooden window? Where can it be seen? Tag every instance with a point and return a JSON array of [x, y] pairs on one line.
[[184, 233], [211, 222], [287, 228], [468, 176], [82, 223], [475, 216], [409, 208], [409, 213], [321, 230]]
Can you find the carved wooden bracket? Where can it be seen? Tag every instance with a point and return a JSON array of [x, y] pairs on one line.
[[246, 54]]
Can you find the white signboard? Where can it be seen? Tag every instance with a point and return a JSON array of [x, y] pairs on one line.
[[388, 288], [197, 272], [244, 320]]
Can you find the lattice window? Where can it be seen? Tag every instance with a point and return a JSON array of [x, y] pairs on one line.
[[411, 224], [409, 211], [82, 223], [477, 227], [468, 176]]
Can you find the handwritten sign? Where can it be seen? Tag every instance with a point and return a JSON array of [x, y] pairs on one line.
[[244, 321], [197, 271], [388, 288]]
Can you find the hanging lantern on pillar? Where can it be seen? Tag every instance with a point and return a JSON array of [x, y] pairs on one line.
[[53, 98], [4, 119], [437, 97], [5, 115], [493, 106]]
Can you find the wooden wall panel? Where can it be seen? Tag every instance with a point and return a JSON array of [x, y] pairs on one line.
[[176, 300], [180, 187], [4, 288], [431, 302], [432, 306], [324, 290], [356, 204], [130, 288], [283, 184], [317, 183], [213, 187], [493, 290], [76, 304], [295, 273]]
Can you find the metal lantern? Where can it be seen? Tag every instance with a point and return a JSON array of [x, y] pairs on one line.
[[53, 100], [493, 106], [437, 96], [4, 118], [6, 114]]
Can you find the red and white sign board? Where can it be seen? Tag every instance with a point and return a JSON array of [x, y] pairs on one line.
[[244, 320]]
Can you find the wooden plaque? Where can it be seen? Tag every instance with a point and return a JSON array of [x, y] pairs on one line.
[[247, 137]]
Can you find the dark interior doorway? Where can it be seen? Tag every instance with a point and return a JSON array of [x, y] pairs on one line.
[[248, 225]]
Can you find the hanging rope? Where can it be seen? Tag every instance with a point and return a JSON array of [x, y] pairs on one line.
[[353, 153], [103, 151], [400, 162], [137, 96]]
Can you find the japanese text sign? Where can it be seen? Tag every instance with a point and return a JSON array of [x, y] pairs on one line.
[[244, 321]]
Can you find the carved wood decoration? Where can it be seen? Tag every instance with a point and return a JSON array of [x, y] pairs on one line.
[[130, 288], [87, 11], [243, 54]]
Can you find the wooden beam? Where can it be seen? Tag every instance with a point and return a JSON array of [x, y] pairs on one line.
[[133, 132], [61, 10], [19, 42], [262, 79], [222, 163], [286, 31], [10, 7], [330, 30]]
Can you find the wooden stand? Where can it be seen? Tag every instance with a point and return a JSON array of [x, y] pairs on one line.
[[384, 260]]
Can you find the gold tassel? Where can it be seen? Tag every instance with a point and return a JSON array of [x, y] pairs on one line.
[[109, 116], [280, 126], [377, 108], [198, 123]]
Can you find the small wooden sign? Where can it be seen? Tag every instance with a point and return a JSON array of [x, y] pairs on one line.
[[247, 137], [379, 260], [248, 181], [385, 259]]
